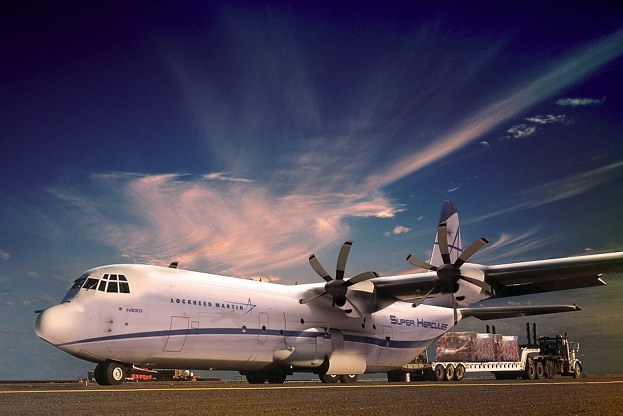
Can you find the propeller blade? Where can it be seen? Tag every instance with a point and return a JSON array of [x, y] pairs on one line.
[[456, 317], [361, 277], [416, 304], [315, 264], [442, 240], [420, 263], [484, 286], [313, 296], [341, 260], [470, 251]]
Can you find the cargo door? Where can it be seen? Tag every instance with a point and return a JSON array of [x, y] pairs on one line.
[[177, 334]]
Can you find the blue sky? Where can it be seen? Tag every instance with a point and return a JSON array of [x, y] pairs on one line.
[[239, 138]]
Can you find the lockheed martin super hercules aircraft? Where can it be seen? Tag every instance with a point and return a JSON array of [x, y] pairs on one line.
[[126, 318]]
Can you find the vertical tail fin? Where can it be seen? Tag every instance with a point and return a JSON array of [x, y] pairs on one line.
[[450, 216]]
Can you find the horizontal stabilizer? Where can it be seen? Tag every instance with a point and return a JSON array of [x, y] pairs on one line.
[[501, 312]]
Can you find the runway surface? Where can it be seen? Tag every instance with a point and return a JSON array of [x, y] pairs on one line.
[[592, 395]]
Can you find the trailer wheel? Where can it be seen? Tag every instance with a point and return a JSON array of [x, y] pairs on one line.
[[531, 371], [540, 370], [449, 372], [440, 372], [459, 372], [577, 370]]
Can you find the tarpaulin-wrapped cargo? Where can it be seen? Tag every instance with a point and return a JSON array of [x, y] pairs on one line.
[[507, 348], [475, 347], [465, 346]]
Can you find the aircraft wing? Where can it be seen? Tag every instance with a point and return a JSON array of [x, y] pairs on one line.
[[551, 275], [515, 279], [501, 312]]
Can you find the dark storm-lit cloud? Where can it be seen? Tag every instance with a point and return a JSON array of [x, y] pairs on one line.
[[580, 102]]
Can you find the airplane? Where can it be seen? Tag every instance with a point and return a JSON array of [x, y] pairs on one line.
[[130, 317]]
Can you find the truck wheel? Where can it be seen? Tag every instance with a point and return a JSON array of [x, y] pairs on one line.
[[449, 372], [540, 370], [459, 372], [531, 371], [577, 370], [440, 372]]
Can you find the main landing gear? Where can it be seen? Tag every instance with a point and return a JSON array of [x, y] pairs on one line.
[[110, 373], [334, 378]]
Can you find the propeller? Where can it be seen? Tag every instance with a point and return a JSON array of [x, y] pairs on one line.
[[449, 273], [338, 287]]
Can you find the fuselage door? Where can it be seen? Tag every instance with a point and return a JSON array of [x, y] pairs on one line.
[[177, 334]]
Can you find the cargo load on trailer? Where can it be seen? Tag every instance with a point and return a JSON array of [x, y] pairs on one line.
[[459, 353]]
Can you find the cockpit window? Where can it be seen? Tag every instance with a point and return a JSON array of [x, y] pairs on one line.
[[90, 283], [79, 282], [110, 283], [114, 283]]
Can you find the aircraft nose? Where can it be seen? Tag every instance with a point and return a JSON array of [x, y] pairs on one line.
[[51, 324]]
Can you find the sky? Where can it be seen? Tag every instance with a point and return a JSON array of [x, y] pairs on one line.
[[238, 138]]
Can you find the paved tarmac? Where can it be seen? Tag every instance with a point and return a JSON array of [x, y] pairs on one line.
[[591, 395]]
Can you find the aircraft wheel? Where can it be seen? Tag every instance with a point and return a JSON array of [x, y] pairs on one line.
[[348, 378], [115, 373], [459, 372], [449, 372], [100, 374], [329, 378], [440, 372], [276, 377], [256, 378], [540, 370]]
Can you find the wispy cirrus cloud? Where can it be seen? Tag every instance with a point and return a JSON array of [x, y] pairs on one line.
[[307, 194], [516, 99], [580, 102], [233, 227], [557, 190], [224, 176]]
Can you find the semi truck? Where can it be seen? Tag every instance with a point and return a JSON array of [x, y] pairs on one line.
[[459, 353]]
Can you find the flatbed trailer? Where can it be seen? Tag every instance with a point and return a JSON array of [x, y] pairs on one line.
[[545, 358]]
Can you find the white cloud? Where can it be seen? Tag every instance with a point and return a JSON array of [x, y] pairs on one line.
[[233, 227], [580, 102], [519, 131], [399, 229], [4, 256], [224, 176], [548, 119]]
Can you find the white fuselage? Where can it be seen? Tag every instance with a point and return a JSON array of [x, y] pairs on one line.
[[170, 318]]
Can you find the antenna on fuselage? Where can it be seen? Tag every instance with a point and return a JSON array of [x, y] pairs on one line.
[[173, 265]]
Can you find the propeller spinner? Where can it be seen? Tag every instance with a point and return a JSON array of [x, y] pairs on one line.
[[449, 273], [338, 287]]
